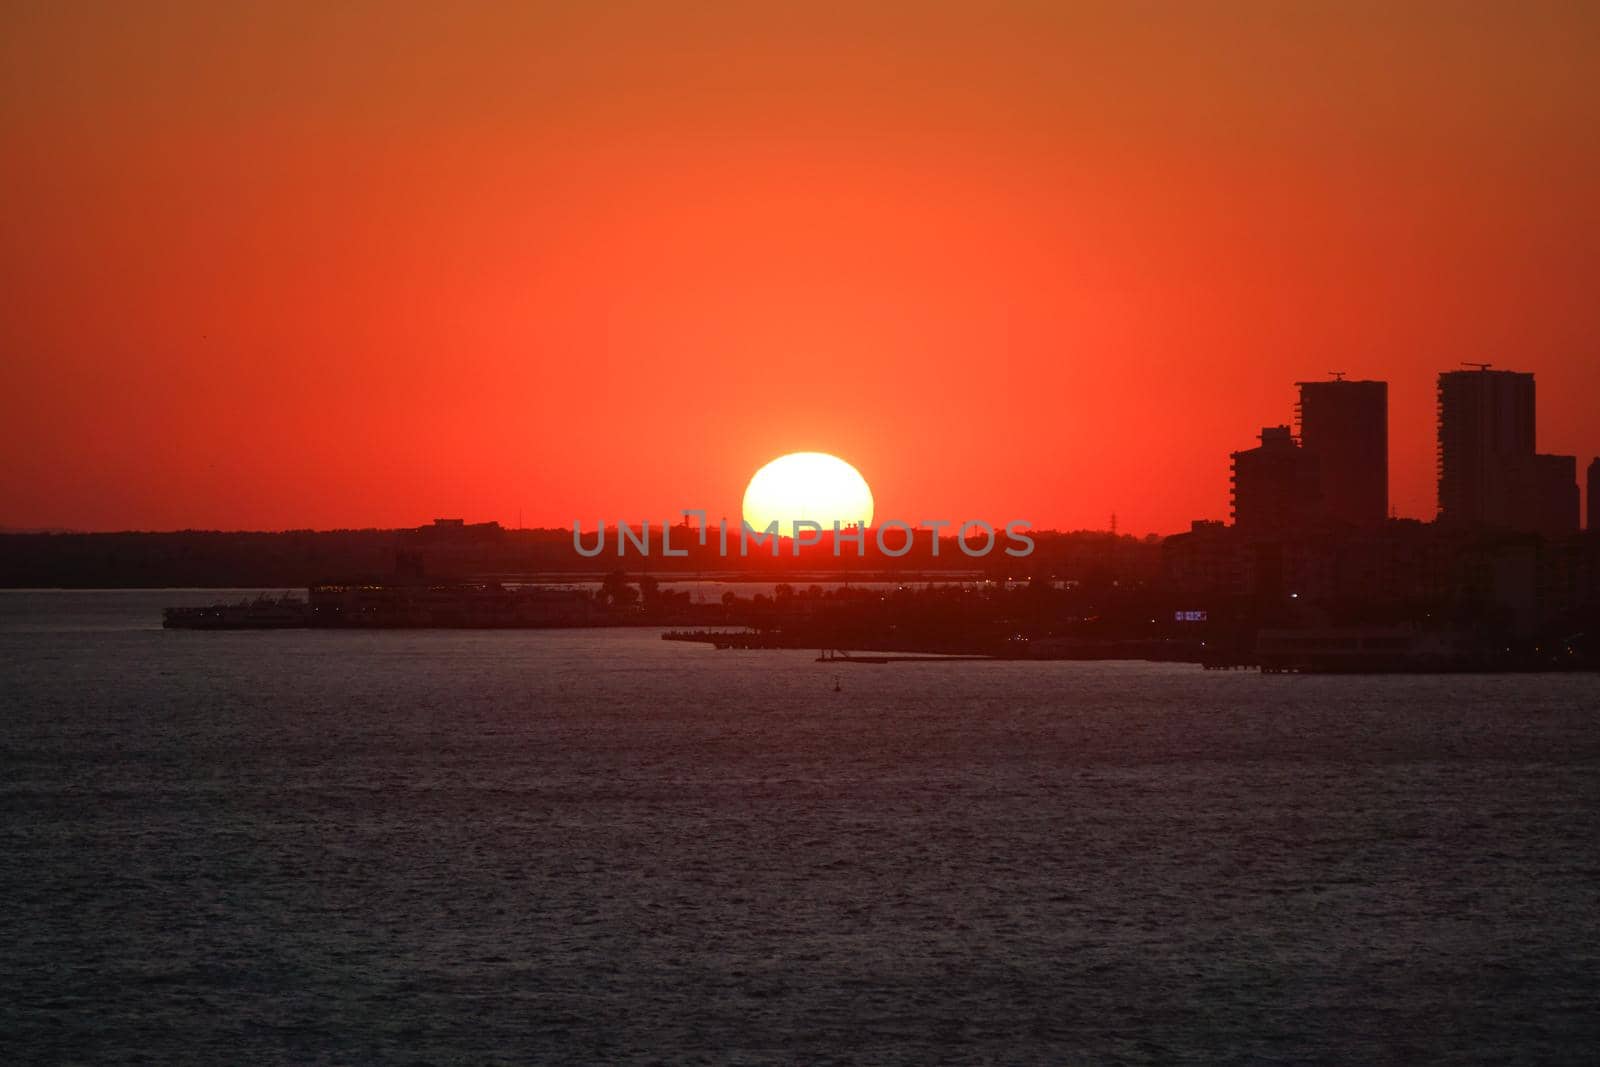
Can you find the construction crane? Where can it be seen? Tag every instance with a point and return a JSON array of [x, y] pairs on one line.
[[1480, 366]]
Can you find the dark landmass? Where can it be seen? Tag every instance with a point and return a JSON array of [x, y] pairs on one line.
[[299, 558], [1210, 593], [1402, 592]]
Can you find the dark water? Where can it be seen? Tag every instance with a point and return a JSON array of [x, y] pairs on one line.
[[598, 846]]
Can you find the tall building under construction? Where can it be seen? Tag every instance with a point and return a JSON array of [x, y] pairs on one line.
[[1344, 428]]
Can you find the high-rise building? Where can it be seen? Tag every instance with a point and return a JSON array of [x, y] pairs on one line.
[[1592, 491], [1486, 430], [1344, 426], [1274, 484], [1489, 471]]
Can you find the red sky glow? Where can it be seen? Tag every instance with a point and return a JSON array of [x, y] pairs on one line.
[[293, 265]]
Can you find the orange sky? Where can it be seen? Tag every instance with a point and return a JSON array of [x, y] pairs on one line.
[[285, 266]]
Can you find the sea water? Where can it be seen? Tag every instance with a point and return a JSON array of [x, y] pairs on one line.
[[596, 846]]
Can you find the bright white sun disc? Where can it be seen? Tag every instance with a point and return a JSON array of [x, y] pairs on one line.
[[810, 486]]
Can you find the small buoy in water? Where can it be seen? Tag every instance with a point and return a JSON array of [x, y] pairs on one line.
[[836, 687]]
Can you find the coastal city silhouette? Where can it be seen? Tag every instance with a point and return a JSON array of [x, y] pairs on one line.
[[898, 533], [1313, 572]]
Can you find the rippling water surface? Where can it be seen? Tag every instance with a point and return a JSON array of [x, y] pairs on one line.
[[599, 846]]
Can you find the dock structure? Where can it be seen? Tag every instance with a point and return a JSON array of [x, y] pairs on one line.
[[730, 638], [835, 655]]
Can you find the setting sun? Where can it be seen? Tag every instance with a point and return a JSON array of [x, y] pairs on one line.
[[810, 486]]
